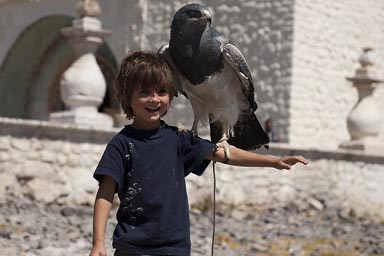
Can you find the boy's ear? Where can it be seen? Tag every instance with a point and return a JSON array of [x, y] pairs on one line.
[[130, 114]]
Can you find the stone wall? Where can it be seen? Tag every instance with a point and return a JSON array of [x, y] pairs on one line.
[[55, 163], [334, 179], [48, 162]]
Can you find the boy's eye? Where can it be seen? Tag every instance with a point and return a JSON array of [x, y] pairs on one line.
[[160, 91], [163, 91], [144, 92]]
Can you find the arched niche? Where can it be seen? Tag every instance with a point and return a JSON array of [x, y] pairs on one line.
[[31, 72]]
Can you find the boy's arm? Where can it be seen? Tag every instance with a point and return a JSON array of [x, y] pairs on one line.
[[102, 208], [239, 157]]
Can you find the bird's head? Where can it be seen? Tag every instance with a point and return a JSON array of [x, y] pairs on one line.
[[191, 17]]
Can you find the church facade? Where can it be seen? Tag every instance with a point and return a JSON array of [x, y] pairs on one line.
[[300, 53], [306, 60]]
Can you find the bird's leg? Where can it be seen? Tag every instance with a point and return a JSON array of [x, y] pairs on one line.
[[194, 125], [219, 135], [224, 137], [223, 142], [194, 128]]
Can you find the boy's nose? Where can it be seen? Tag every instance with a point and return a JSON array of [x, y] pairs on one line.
[[155, 97]]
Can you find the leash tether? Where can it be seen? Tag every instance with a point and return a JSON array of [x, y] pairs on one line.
[[226, 160], [214, 208]]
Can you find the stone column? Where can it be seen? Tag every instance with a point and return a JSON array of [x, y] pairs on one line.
[[83, 85], [364, 121]]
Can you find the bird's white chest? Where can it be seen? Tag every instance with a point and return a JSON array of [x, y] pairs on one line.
[[220, 95], [216, 88]]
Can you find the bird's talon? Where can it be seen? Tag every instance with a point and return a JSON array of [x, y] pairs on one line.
[[225, 146]]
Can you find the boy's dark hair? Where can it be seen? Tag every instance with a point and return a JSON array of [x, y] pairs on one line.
[[142, 70]]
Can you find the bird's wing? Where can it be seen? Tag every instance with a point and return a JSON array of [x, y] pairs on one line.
[[165, 54], [235, 58]]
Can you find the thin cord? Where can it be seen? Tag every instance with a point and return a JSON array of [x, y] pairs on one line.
[[214, 208]]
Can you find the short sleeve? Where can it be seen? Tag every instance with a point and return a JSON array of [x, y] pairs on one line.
[[194, 150], [112, 163]]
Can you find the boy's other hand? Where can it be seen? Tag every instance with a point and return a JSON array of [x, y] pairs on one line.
[[98, 251]]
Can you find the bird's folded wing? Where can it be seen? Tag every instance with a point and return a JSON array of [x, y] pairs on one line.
[[235, 58], [164, 53]]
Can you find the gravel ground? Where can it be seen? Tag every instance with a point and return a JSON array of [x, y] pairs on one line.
[[30, 228]]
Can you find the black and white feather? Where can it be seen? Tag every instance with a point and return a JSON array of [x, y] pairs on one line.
[[214, 75]]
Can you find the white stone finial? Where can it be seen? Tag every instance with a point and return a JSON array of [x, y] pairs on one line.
[[364, 58], [364, 74], [90, 8], [83, 86], [365, 120]]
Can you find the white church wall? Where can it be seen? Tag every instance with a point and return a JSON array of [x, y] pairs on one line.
[[299, 51], [328, 39]]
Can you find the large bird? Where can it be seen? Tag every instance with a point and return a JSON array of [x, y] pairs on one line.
[[213, 74]]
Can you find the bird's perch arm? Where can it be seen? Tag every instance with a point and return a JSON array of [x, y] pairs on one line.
[[239, 157]]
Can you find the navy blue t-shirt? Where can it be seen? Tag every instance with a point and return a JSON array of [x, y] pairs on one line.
[[149, 168]]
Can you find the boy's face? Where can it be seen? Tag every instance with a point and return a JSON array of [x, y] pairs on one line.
[[148, 106]]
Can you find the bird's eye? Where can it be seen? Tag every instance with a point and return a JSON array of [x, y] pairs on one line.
[[194, 13]]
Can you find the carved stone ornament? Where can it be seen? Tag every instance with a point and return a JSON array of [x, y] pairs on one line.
[[82, 85], [90, 8], [365, 120]]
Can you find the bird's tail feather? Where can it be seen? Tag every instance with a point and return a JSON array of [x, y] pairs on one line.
[[248, 134]]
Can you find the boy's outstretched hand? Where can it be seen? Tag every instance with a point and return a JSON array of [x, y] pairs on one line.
[[239, 157], [286, 162]]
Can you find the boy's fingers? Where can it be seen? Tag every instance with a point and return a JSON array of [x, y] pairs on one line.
[[284, 166], [302, 160], [292, 160]]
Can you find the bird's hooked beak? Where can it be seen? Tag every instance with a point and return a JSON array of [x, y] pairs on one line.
[[204, 19], [208, 16]]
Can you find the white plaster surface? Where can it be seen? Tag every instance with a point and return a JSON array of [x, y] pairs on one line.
[[329, 36]]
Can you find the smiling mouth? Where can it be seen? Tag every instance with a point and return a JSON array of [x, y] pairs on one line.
[[156, 109]]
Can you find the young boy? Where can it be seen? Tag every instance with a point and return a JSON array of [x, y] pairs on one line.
[[146, 164]]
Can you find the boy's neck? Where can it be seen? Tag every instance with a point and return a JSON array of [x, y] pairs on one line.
[[146, 127]]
